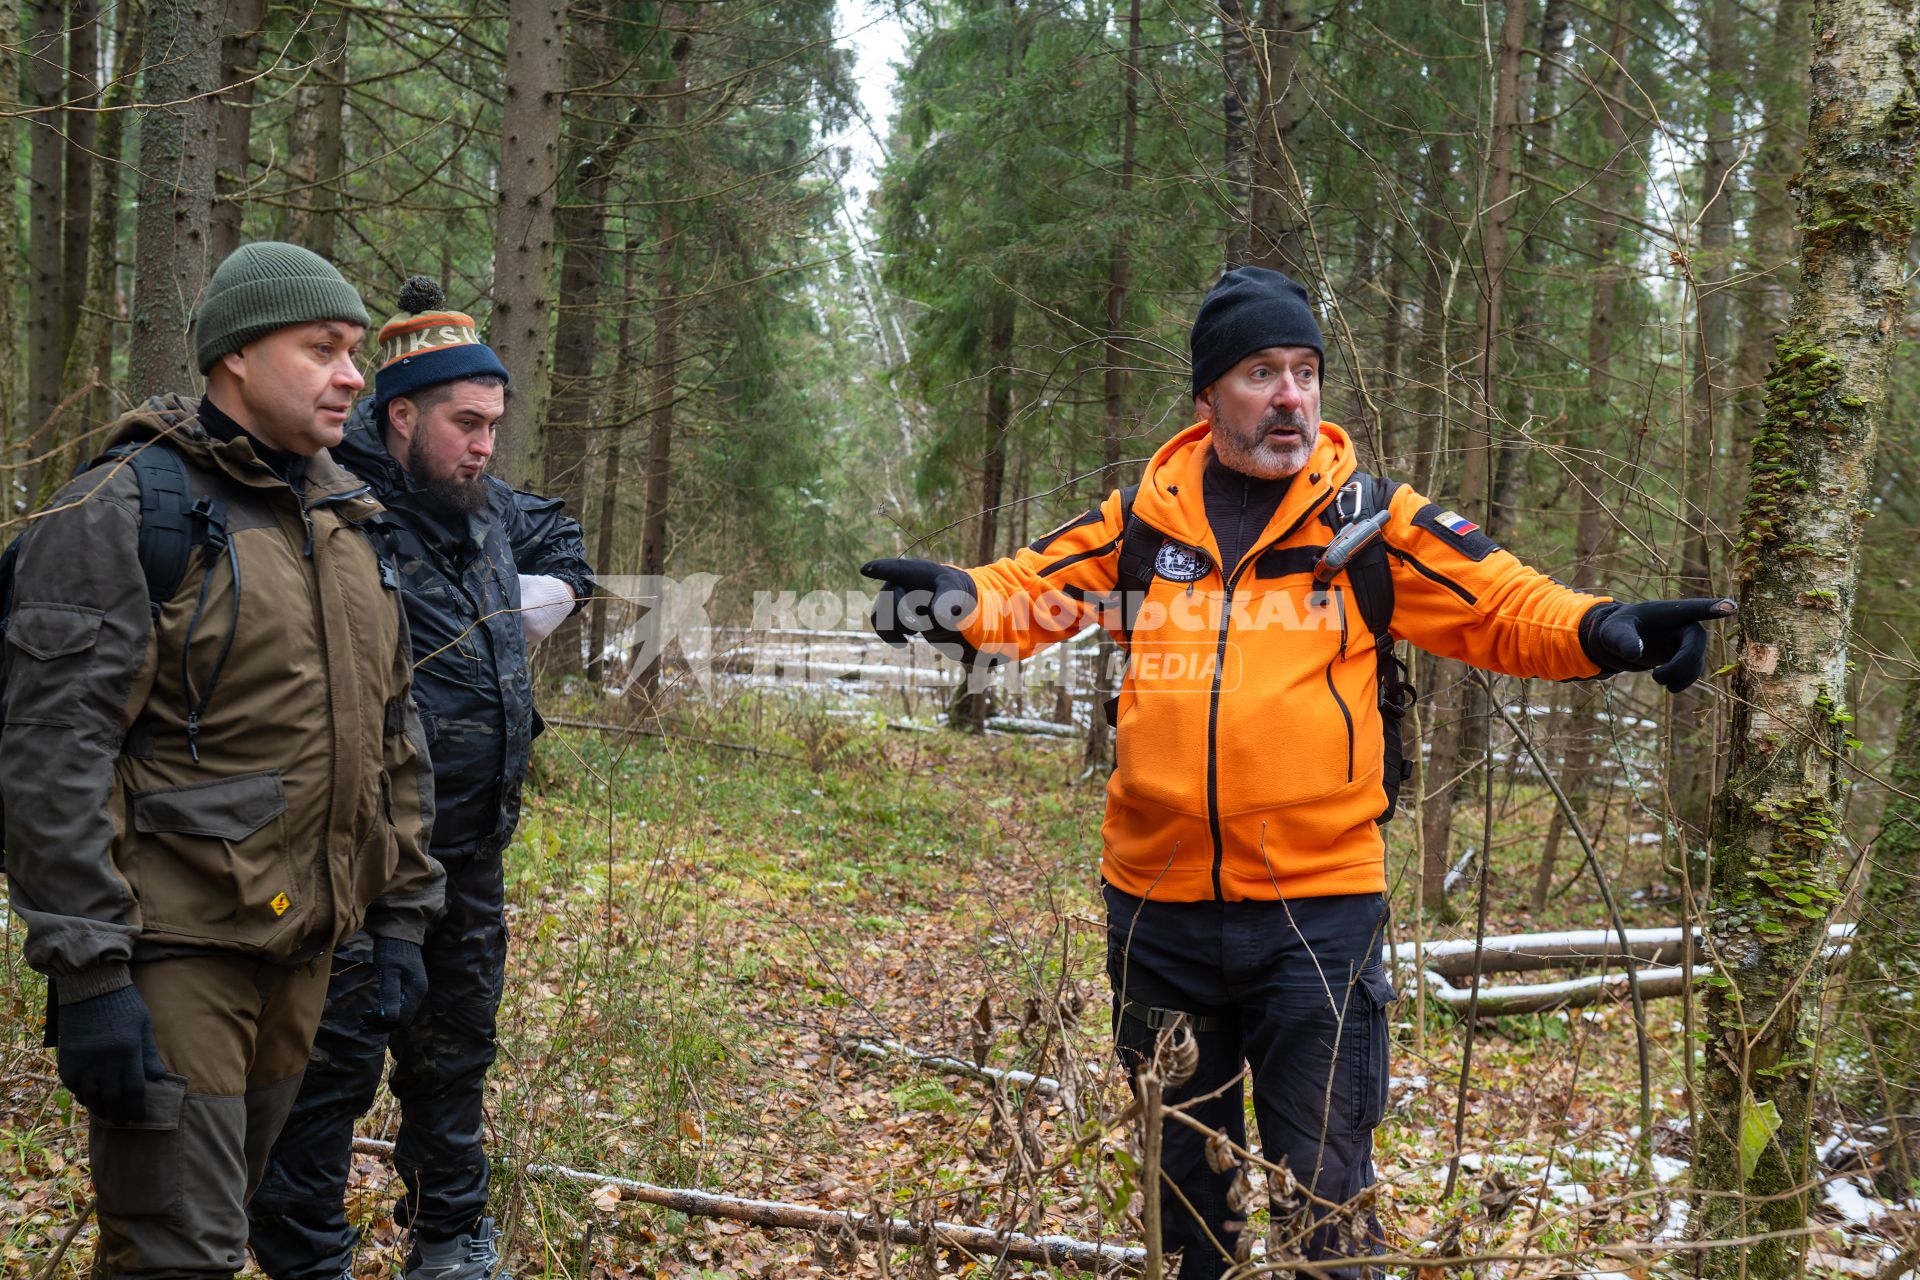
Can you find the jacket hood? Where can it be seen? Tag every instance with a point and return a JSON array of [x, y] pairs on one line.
[[1171, 489], [176, 419], [363, 451]]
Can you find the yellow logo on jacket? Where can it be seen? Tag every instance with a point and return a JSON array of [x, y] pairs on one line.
[[280, 904]]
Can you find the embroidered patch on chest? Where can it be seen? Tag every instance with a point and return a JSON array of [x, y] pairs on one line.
[[1178, 562]]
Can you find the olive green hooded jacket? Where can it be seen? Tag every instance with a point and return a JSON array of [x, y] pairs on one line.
[[242, 772]]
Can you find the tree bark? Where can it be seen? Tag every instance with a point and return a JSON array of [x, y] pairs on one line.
[[625, 394], [10, 398], [1886, 968], [314, 143], [523, 235], [1694, 711], [233, 120], [1278, 235], [666, 322], [45, 55], [76, 205], [1580, 726], [1099, 749], [1441, 681], [90, 356], [1476, 486], [1233, 115], [582, 222], [1771, 244], [1776, 867], [172, 251]]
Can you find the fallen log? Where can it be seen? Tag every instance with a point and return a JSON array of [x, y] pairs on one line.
[[1056, 1251], [1519, 952], [1544, 997], [893, 1050]]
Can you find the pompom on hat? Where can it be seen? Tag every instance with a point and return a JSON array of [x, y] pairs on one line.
[[426, 345]]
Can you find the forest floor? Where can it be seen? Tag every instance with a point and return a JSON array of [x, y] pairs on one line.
[[699, 930]]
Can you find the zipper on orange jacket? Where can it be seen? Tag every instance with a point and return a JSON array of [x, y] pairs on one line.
[[1339, 603], [1219, 666]]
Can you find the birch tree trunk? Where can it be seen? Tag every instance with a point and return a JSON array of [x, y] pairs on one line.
[[1776, 868], [523, 236]]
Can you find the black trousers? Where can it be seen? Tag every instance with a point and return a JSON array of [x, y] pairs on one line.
[[297, 1216], [1296, 991]]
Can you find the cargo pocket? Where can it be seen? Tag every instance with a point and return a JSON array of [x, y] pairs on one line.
[[1372, 997], [214, 864], [61, 636], [138, 1169]]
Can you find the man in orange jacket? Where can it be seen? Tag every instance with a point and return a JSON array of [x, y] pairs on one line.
[[1243, 866]]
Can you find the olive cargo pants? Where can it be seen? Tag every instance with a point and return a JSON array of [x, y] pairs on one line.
[[172, 1191]]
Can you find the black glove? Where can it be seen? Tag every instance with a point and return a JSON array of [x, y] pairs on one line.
[[920, 598], [1662, 636], [400, 983], [107, 1054]]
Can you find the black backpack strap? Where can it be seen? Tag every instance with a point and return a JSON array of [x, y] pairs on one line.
[[1369, 572], [1140, 545], [172, 522], [1371, 575]]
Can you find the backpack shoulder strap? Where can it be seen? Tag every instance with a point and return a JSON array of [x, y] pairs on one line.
[[1369, 571], [172, 521], [1140, 543]]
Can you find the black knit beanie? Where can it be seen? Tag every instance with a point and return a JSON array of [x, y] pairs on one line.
[[1250, 310]]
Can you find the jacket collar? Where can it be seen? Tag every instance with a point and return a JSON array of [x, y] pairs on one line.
[[1172, 494], [176, 420]]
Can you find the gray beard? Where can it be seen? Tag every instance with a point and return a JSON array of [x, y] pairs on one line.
[[1255, 456]]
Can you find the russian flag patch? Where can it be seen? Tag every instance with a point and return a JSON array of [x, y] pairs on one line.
[[1456, 523]]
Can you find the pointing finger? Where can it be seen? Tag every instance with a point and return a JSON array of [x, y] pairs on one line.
[[1678, 613]]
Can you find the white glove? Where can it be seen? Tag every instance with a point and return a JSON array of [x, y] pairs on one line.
[[544, 604]]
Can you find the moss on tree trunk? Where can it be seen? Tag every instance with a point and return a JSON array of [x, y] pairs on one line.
[[1775, 869]]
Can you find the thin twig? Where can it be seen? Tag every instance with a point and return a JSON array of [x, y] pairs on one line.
[[66, 1242]]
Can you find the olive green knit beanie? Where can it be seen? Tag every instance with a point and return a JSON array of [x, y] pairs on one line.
[[265, 286]]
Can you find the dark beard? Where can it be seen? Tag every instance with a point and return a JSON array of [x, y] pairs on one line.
[[451, 495]]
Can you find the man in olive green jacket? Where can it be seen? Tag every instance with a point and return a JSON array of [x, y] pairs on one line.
[[205, 794]]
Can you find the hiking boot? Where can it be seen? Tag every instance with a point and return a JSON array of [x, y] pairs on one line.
[[468, 1256]]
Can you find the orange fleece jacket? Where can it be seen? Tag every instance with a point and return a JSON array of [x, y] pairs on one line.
[[1250, 737]]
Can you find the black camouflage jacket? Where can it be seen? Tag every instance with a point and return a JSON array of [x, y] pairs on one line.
[[461, 586]]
